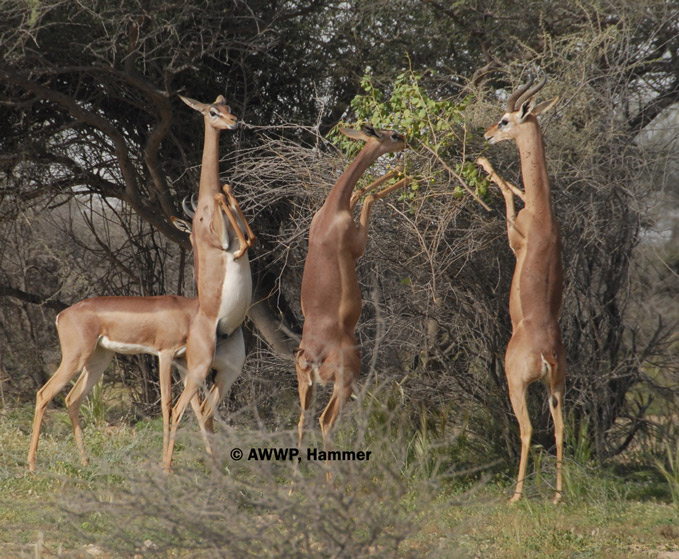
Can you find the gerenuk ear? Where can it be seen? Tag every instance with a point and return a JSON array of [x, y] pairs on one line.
[[545, 106], [354, 134], [195, 105], [526, 109]]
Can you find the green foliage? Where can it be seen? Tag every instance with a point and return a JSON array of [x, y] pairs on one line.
[[578, 441], [410, 110], [578, 468], [94, 408], [433, 127], [669, 469], [470, 173]]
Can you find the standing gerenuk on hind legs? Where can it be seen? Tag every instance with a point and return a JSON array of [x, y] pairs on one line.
[[331, 296], [93, 330], [535, 350], [220, 238]]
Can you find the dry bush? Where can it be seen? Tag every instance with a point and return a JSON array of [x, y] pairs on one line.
[[270, 508]]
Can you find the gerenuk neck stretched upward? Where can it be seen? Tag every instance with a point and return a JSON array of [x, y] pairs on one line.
[[221, 268], [535, 350], [331, 297]]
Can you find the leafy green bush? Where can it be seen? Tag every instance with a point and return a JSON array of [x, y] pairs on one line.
[[435, 128]]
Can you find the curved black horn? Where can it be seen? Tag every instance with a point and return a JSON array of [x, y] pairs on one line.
[[532, 91], [511, 102], [189, 210]]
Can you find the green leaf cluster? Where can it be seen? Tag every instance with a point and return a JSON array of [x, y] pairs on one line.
[[435, 128], [475, 180], [409, 110]]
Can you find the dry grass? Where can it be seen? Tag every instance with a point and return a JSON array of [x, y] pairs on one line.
[[409, 500]]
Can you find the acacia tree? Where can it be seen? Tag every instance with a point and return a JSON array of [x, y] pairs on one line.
[[92, 116]]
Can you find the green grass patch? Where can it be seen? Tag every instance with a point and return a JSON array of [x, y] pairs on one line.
[[409, 500]]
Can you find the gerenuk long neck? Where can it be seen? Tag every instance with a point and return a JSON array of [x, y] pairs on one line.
[[340, 195], [534, 167], [209, 171]]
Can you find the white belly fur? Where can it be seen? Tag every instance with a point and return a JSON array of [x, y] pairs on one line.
[[236, 294], [126, 349]]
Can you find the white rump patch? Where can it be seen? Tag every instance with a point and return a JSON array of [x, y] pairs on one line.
[[313, 374], [546, 367]]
